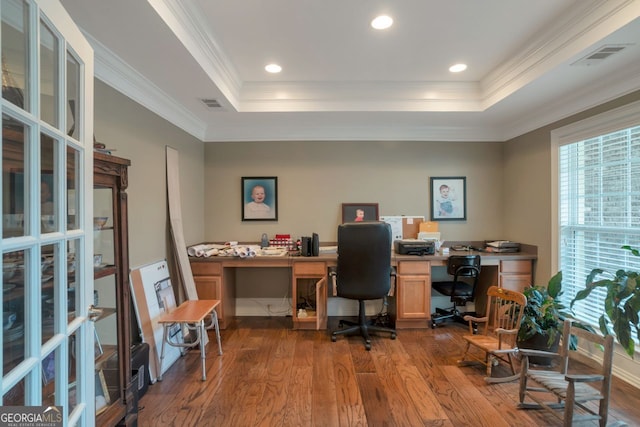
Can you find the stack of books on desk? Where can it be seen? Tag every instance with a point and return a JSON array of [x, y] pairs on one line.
[[501, 246]]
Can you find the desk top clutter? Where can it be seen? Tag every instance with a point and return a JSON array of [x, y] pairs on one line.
[[233, 249], [281, 245]]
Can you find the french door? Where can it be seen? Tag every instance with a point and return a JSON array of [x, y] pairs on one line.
[[47, 165]]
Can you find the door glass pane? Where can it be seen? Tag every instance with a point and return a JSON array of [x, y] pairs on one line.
[[48, 187], [47, 294], [73, 89], [74, 348], [48, 76], [73, 256], [49, 378], [15, 396], [14, 177], [73, 177], [14, 277], [15, 56]]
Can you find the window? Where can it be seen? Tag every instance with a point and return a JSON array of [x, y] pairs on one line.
[[598, 201]]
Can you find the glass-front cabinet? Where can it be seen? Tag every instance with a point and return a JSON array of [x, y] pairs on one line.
[[111, 298]]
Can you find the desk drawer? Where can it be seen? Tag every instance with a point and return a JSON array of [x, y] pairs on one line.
[[206, 268], [310, 269], [516, 266], [420, 268]]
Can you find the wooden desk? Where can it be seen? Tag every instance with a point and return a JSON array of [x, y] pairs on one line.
[[191, 312], [215, 279]]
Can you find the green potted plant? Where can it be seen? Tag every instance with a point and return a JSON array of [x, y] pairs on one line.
[[621, 304], [543, 317]]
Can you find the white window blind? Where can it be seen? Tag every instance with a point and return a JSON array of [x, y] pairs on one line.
[[599, 211]]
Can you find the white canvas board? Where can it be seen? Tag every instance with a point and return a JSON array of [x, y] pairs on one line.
[[152, 297]]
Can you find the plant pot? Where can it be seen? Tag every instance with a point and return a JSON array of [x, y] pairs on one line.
[[540, 342]]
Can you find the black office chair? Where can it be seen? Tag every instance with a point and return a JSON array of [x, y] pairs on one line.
[[363, 272], [465, 270]]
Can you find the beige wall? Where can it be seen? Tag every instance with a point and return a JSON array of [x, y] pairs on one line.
[[314, 178], [527, 185], [141, 136], [508, 184]]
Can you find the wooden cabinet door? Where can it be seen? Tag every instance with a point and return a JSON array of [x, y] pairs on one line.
[[413, 297], [210, 287], [515, 275], [515, 282]]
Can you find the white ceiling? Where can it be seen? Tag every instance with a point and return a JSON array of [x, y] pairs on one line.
[[342, 80]]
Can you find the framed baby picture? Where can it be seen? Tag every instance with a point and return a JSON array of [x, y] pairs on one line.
[[448, 198], [357, 212], [259, 198]]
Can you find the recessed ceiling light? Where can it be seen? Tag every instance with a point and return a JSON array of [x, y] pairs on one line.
[[382, 22], [273, 68], [458, 68]]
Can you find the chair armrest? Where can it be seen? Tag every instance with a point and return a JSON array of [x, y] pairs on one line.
[[501, 331], [575, 378], [394, 275], [530, 352], [469, 318], [333, 273]]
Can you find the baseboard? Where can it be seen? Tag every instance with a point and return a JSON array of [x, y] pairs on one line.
[[626, 368], [282, 307]]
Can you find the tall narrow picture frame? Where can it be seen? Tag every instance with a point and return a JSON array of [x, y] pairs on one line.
[[259, 198], [449, 198]]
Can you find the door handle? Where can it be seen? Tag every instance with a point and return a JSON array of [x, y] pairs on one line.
[[94, 313]]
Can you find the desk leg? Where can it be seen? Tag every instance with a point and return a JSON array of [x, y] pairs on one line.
[[214, 317], [201, 332], [164, 339]]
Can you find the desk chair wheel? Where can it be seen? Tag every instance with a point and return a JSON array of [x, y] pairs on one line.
[[367, 346], [334, 338], [393, 336]]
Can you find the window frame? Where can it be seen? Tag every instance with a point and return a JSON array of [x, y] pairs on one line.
[[616, 120]]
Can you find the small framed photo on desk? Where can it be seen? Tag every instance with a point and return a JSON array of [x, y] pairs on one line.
[[357, 212], [448, 198], [259, 198]]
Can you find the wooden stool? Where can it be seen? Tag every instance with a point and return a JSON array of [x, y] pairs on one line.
[[191, 312]]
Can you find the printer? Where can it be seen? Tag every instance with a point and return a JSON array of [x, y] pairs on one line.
[[414, 247]]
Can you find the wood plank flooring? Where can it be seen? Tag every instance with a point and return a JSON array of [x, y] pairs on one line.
[[270, 375]]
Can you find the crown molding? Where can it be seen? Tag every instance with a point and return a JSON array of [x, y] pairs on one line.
[[185, 20], [585, 24], [304, 132], [360, 96], [112, 70], [618, 84]]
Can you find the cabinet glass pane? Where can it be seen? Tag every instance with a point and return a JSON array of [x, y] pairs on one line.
[[105, 295], [14, 38]]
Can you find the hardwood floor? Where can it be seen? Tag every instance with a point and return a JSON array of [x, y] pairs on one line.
[[270, 375]]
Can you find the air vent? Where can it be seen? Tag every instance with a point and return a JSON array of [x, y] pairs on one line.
[[600, 55], [211, 103]]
